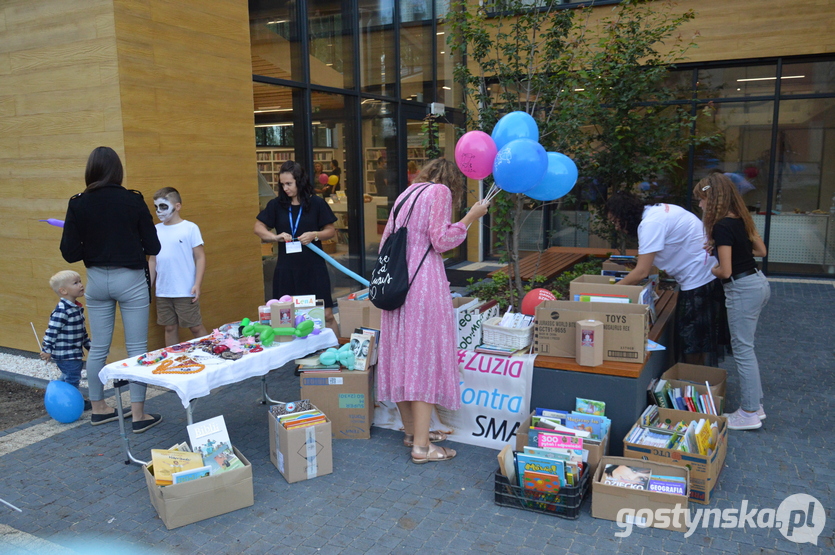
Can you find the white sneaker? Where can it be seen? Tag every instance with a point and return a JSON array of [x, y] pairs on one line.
[[761, 413], [741, 420]]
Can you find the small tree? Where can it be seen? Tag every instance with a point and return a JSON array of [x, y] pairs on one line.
[[593, 85]]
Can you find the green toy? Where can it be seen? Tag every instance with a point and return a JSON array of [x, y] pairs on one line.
[[267, 334]]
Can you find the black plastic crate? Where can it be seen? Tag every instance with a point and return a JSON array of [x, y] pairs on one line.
[[565, 504]]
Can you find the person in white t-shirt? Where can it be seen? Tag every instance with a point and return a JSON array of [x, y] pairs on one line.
[[177, 271], [673, 239]]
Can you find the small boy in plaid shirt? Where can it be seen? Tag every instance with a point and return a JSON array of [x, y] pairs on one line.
[[67, 334]]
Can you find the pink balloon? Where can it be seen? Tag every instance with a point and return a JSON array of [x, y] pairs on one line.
[[271, 301], [323, 178], [285, 298], [475, 153]]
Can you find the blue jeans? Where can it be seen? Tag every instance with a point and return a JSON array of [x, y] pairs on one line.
[[107, 286], [745, 299], [70, 371]]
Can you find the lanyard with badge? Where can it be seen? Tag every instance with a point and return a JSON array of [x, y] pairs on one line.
[[295, 245]]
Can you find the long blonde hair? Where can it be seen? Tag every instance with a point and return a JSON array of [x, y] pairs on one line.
[[443, 171], [721, 198]]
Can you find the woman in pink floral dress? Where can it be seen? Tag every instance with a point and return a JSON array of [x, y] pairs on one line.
[[417, 366]]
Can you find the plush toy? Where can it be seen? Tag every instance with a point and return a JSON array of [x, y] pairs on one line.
[[344, 356]]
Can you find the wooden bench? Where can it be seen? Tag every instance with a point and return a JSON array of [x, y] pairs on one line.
[[555, 260]]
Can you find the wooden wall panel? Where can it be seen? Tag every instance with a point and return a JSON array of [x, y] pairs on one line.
[[186, 91], [55, 105]]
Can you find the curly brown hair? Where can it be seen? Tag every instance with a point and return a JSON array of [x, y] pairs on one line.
[[722, 198], [443, 171]]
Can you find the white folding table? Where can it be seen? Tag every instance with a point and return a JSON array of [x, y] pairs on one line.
[[217, 372]]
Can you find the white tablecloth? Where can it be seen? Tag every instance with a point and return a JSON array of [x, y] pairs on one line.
[[220, 372]]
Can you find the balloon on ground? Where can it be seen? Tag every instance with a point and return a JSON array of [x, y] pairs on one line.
[[63, 402], [520, 165], [515, 125], [533, 298], [475, 153], [558, 180], [329, 259]]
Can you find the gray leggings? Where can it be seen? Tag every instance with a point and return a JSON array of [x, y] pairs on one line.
[[106, 286], [745, 299]]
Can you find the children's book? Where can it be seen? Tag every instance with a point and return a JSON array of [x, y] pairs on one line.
[[376, 333], [166, 462], [568, 455], [541, 481], [363, 347], [280, 409], [660, 393], [625, 476], [703, 436], [589, 406], [529, 463], [189, 475], [210, 439], [596, 426], [668, 484], [559, 441], [550, 413]]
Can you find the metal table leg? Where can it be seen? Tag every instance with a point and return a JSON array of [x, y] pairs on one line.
[[129, 458], [265, 398]]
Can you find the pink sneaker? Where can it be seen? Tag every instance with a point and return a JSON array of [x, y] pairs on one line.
[[741, 420], [761, 413]]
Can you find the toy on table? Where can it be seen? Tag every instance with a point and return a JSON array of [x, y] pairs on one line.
[[267, 334], [344, 356]]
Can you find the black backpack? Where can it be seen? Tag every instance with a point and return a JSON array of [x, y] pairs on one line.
[[390, 281]]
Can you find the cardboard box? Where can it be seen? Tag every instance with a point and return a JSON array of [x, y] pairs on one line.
[[588, 350], [600, 285], [596, 452], [695, 374], [704, 469], [700, 389], [357, 314], [625, 328], [634, 506], [347, 398], [303, 453], [181, 504]]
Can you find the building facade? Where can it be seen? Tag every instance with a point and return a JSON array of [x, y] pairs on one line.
[[210, 97]]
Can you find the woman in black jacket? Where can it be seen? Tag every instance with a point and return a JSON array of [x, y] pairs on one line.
[[111, 229]]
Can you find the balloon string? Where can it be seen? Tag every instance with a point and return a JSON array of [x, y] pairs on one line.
[[491, 194]]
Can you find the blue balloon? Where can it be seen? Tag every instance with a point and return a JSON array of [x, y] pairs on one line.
[[330, 260], [559, 179], [63, 402], [520, 165], [515, 125]]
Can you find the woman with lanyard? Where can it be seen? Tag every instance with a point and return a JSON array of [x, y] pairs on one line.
[[299, 218]]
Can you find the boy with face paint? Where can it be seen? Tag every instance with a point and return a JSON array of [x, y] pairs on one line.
[[177, 271]]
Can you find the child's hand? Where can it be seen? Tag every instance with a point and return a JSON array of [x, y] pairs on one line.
[[46, 356], [195, 294]]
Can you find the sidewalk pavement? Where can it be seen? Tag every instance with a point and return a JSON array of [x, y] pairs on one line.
[[77, 495]]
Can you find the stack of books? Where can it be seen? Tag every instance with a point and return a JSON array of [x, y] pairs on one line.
[[302, 419], [697, 436], [687, 398], [640, 478]]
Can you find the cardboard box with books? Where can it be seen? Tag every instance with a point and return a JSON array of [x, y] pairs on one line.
[[595, 444], [625, 329], [623, 490], [357, 311], [696, 374], [194, 500], [689, 396], [346, 397], [593, 288], [300, 450], [687, 439]]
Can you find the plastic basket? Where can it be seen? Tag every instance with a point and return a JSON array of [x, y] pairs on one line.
[[512, 338], [565, 504]]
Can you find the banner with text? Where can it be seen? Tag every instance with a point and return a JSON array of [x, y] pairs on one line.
[[495, 395]]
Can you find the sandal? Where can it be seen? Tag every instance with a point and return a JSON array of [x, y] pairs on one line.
[[431, 453], [434, 436]]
